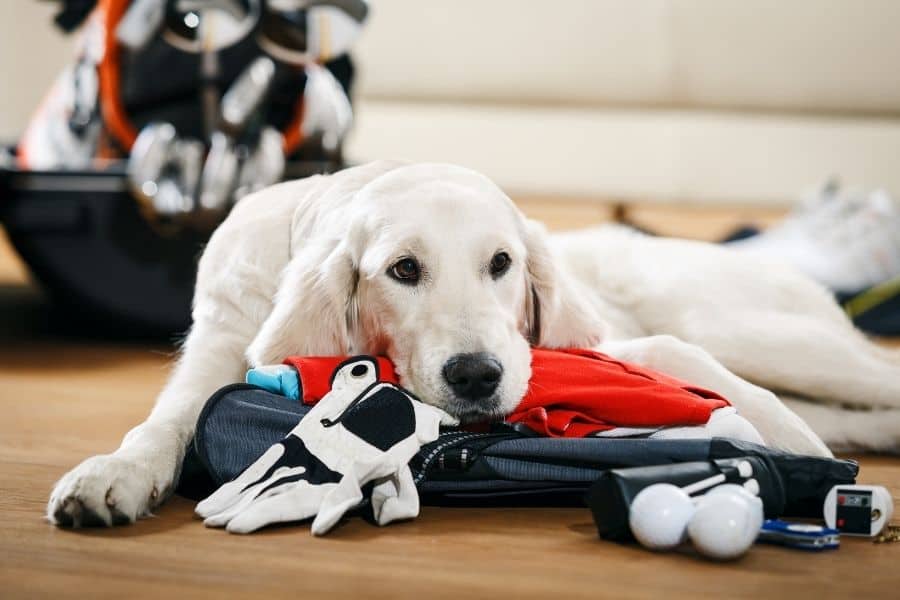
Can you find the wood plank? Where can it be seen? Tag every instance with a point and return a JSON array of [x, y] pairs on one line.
[[445, 553]]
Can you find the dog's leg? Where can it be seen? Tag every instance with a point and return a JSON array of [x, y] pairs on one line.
[[231, 301], [777, 424], [237, 279], [821, 359], [850, 430], [118, 488]]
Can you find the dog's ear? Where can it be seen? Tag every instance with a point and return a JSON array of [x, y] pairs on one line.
[[556, 312], [314, 309]]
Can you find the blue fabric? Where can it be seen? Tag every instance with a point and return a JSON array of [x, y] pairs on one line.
[[278, 379]]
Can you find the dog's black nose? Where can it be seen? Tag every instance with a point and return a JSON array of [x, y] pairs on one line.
[[473, 376]]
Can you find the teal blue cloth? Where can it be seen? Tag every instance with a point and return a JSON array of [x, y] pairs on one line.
[[278, 379]]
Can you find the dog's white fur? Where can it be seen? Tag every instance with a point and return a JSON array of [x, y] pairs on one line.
[[301, 268]]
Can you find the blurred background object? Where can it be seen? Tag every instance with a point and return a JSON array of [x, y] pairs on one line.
[[849, 241], [165, 113]]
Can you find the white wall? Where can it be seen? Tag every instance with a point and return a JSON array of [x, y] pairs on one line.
[[797, 55], [707, 100], [32, 51], [719, 100], [634, 155]]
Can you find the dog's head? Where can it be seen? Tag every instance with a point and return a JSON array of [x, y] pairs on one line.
[[433, 266]]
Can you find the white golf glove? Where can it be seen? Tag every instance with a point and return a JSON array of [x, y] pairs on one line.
[[362, 431]]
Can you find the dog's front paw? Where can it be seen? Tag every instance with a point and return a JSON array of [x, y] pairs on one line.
[[105, 490]]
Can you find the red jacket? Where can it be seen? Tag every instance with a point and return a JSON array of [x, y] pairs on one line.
[[572, 393]]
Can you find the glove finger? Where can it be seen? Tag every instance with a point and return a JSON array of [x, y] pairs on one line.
[[395, 498], [221, 519], [384, 490], [231, 492], [338, 501], [300, 501], [264, 489], [220, 501]]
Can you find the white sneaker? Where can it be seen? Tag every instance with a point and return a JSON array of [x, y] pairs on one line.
[[846, 240]]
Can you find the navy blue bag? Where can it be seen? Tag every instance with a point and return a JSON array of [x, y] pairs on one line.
[[504, 466]]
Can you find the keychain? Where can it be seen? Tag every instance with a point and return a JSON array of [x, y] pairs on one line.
[[890, 535]]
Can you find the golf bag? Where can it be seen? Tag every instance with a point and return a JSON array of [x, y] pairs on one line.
[[507, 465], [158, 125]]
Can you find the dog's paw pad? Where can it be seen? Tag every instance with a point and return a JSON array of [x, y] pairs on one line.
[[62, 516], [91, 518], [118, 517], [104, 491]]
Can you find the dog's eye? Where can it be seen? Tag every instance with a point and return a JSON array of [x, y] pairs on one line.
[[405, 270], [499, 264]]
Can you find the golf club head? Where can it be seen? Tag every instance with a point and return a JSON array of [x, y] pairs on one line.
[[140, 23], [209, 25], [247, 92], [189, 161], [300, 32], [219, 173], [85, 97], [326, 108], [151, 152], [65, 130], [265, 164], [169, 201]]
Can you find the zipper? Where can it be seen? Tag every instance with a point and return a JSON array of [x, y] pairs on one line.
[[437, 453]]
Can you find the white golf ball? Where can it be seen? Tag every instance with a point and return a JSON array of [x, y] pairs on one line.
[[659, 515], [725, 524], [750, 494], [732, 488]]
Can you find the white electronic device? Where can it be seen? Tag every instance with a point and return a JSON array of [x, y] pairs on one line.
[[858, 509]]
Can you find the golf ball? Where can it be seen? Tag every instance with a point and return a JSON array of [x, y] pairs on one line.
[[725, 524], [732, 488], [659, 515]]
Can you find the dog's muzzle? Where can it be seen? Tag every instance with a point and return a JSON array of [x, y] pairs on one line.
[[473, 377]]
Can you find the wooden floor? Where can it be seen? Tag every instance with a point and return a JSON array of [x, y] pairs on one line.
[[63, 399]]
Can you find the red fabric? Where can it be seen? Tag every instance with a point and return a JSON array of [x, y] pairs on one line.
[[572, 393], [315, 374]]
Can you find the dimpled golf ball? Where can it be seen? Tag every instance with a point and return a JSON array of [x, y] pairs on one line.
[[725, 525], [659, 515]]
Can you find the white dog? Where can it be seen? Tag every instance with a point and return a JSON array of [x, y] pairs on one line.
[[435, 267]]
